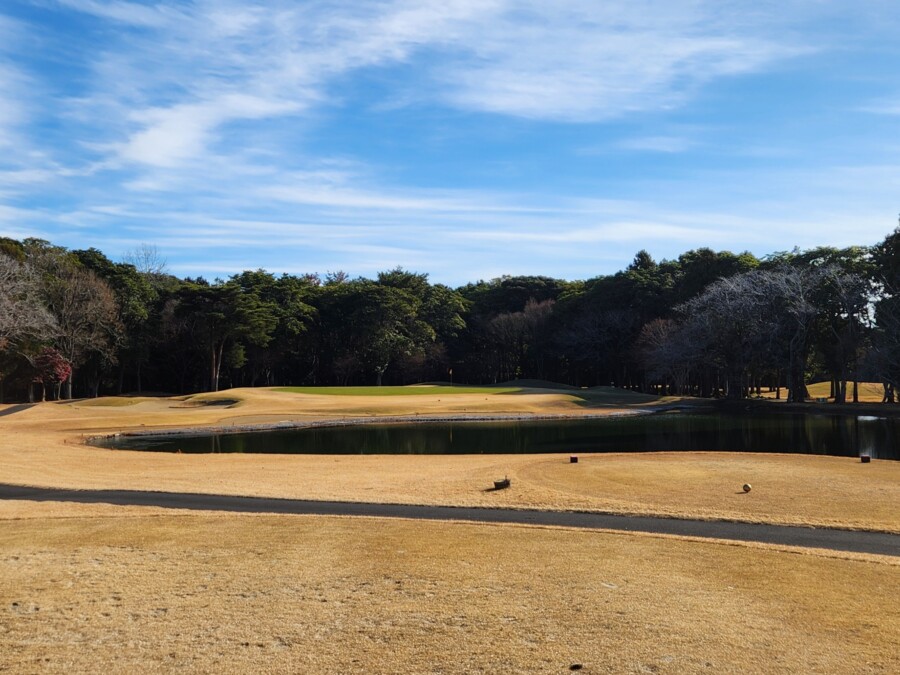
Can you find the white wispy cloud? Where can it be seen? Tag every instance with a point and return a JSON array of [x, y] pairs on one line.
[[10, 215], [132, 13], [883, 107], [14, 90], [588, 61], [628, 231], [666, 144], [577, 239], [171, 136], [24, 177], [221, 62], [343, 190], [11, 113]]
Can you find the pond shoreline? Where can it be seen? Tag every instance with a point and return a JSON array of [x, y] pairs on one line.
[[325, 423], [738, 407]]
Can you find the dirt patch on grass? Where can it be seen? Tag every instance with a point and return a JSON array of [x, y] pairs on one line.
[[226, 594]]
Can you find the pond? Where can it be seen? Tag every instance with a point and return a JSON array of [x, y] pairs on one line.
[[839, 435]]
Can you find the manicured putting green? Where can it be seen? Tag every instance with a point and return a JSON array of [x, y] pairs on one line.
[[398, 391]]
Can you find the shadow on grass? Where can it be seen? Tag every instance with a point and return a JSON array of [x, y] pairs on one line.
[[594, 397], [16, 408]]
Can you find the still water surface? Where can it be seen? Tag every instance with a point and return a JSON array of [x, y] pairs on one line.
[[838, 435]]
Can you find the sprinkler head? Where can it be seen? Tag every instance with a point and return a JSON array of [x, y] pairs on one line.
[[747, 487]]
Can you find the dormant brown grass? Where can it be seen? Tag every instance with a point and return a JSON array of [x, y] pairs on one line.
[[295, 594]]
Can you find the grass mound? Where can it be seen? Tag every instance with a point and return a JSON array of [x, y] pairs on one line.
[[110, 401], [620, 395], [538, 384]]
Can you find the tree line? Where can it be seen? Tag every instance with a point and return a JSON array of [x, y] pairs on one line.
[[74, 323]]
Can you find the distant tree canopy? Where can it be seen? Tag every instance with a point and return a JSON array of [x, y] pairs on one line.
[[708, 323]]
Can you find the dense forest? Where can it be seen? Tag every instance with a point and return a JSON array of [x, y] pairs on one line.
[[74, 323]]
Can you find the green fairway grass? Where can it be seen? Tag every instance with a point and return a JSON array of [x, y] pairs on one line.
[[591, 397], [416, 390]]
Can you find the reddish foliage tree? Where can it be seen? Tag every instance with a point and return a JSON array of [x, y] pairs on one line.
[[52, 368]]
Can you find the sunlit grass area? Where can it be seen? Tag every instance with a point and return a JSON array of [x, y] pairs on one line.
[[869, 392], [314, 595]]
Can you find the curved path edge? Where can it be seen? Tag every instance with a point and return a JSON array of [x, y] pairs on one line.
[[879, 543]]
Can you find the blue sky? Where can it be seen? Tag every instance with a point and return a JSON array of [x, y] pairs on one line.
[[463, 138]]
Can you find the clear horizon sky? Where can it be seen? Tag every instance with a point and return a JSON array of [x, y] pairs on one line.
[[467, 139]]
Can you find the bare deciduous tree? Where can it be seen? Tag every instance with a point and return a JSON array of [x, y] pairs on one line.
[[793, 290], [23, 317], [147, 260], [22, 313], [733, 314], [846, 301], [87, 317], [669, 351]]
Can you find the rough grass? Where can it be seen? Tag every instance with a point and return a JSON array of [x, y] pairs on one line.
[[796, 489], [297, 594], [110, 401]]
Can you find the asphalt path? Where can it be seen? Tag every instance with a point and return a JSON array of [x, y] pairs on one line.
[[834, 539]]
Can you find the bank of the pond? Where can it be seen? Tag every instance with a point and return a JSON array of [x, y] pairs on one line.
[[108, 440], [769, 405]]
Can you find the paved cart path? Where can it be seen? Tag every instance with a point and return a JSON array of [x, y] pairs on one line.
[[838, 540]]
